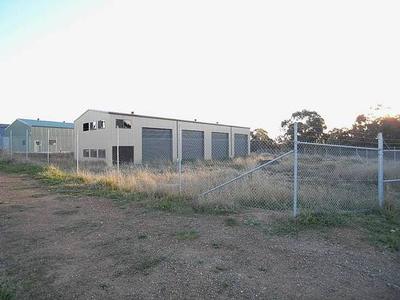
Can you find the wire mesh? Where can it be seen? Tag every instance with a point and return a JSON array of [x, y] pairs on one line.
[[267, 185], [331, 178], [41, 146], [200, 175], [392, 177], [337, 179]]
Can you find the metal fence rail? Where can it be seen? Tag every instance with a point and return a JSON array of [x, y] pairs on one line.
[[246, 173]]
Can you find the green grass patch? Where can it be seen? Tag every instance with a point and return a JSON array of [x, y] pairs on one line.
[[308, 221], [171, 203], [213, 209], [6, 292], [187, 235], [252, 222], [142, 236], [9, 166], [382, 228], [231, 222]]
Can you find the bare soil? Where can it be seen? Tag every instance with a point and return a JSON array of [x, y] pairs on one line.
[[54, 246]]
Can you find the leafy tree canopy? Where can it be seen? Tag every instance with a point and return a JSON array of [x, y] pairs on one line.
[[310, 126]]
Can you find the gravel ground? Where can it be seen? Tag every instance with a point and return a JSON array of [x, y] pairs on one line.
[[57, 247]]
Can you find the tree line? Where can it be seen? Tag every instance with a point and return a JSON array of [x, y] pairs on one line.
[[312, 128]]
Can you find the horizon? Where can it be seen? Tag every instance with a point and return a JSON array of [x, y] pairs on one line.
[[375, 113]]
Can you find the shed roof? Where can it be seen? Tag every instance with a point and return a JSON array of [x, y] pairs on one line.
[[49, 124], [160, 118]]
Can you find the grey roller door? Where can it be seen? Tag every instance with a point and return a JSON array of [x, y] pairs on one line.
[[220, 145], [241, 144], [192, 145], [156, 144]]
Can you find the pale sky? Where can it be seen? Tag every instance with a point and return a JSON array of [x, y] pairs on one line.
[[250, 63]]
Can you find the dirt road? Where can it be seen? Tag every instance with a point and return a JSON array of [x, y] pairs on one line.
[[53, 246]]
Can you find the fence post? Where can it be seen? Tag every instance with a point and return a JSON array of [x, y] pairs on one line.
[[380, 170], [179, 155], [295, 170], [77, 150], [26, 144], [180, 175], [11, 144], [118, 149], [48, 146]]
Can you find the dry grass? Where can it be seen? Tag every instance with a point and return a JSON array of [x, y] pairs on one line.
[[326, 183]]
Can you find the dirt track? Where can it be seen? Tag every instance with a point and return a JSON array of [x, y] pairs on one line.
[[57, 247]]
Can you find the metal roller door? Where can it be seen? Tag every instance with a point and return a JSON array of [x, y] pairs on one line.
[[192, 145], [220, 145], [241, 144], [156, 144]]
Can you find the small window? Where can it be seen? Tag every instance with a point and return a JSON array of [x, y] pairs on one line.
[[123, 124], [85, 152], [52, 142], [23, 143], [93, 125], [101, 124], [85, 126], [102, 153], [93, 153]]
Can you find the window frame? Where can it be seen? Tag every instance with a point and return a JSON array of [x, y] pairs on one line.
[[126, 124], [93, 126], [103, 122], [101, 151], [93, 151], [86, 151]]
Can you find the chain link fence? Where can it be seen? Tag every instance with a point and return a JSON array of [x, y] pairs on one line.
[[392, 177], [334, 178], [287, 177], [41, 146]]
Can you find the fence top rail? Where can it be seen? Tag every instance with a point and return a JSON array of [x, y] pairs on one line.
[[246, 173], [391, 180], [338, 146], [391, 150]]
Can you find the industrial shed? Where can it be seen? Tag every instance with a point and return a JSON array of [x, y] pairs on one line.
[[3, 137], [37, 136], [146, 139]]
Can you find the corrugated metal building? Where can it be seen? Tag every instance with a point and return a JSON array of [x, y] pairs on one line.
[[146, 139], [37, 136], [3, 137]]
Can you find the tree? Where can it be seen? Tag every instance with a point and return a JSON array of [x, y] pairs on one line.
[[338, 136], [260, 141], [310, 126], [390, 127], [365, 129]]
